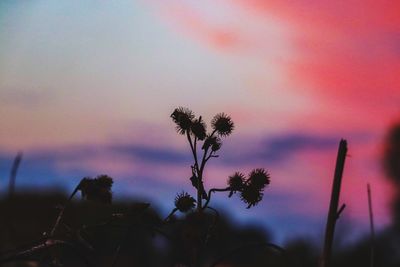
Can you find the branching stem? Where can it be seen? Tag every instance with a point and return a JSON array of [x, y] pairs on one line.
[[193, 148], [211, 156], [199, 170], [212, 190]]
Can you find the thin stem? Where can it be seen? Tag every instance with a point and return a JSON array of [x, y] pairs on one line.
[[203, 161], [371, 222], [212, 190], [170, 214], [61, 213], [211, 156], [196, 165], [200, 175], [193, 148], [200, 178]]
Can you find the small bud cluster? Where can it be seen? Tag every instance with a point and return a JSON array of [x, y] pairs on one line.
[[97, 189], [184, 202], [185, 122], [251, 189]]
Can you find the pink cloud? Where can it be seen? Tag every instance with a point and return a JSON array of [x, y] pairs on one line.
[[346, 50], [344, 54], [191, 22]]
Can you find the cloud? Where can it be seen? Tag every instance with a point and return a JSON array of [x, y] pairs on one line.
[[132, 158], [156, 155], [157, 173], [343, 55], [279, 149], [347, 51], [273, 149], [190, 20], [64, 164]]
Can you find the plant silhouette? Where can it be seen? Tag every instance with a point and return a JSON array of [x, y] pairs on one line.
[[205, 146], [391, 163], [188, 237]]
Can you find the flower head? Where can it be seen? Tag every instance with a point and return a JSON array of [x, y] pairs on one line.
[[183, 117], [251, 195], [184, 202], [216, 145], [213, 142], [198, 128], [97, 189], [223, 124], [235, 182], [259, 178]]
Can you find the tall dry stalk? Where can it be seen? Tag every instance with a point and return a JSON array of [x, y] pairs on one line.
[[334, 213], [13, 174], [372, 228]]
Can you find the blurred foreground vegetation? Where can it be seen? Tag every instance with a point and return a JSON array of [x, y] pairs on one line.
[[25, 218]]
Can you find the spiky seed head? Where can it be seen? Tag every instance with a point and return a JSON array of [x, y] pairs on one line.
[[198, 128], [223, 124], [236, 182], [183, 117], [97, 189], [184, 202], [251, 195], [104, 181], [212, 141], [216, 145], [259, 178]]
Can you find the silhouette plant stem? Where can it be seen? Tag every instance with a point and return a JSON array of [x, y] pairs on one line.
[[212, 190], [13, 174], [333, 214], [200, 177], [196, 166], [170, 214], [199, 169], [193, 149], [372, 228], [61, 213]]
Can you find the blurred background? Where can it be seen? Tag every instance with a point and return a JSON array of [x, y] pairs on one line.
[[87, 88]]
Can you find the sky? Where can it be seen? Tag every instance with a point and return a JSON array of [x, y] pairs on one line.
[[87, 87]]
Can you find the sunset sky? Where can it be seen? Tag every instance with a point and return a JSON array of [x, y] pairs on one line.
[[87, 87]]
